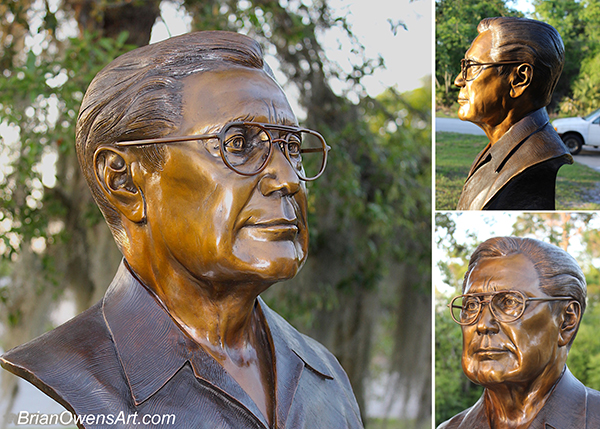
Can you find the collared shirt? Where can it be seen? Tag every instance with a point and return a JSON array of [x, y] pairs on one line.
[[127, 355], [571, 405], [519, 169]]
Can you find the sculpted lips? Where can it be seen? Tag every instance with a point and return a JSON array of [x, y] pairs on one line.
[[490, 352], [272, 229]]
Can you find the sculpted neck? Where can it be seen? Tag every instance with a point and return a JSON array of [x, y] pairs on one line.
[[514, 405], [220, 316], [498, 124], [217, 315], [496, 131]]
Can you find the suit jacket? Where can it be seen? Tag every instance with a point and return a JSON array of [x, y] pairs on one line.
[[571, 405], [125, 357], [519, 171]]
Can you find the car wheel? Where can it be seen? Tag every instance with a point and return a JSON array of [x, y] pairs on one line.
[[573, 142]]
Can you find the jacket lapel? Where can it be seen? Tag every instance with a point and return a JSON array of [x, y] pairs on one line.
[[564, 409], [509, 156], [566, 406]]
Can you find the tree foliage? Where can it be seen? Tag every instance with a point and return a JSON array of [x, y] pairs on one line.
[[577, 22], [566, 17]]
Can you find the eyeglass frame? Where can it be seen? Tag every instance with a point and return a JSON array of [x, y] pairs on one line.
[[464, 66], [525, 298], [289, 129]]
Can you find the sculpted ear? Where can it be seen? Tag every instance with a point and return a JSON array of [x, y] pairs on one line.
[[571, 316], [520, 80], [116, 172]]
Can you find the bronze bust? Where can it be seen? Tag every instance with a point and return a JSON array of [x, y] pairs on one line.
[[507, 79], [522, 303], [196, 160]]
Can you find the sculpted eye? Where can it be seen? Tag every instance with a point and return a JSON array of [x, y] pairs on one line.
[[235, 143], [508, 302], [473, 70], [294, 146], [470, 305]]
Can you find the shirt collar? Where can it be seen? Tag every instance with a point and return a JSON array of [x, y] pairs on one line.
[[510, 142], [152, 348]]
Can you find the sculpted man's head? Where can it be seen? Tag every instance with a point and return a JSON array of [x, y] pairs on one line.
[[520, 313], [174, 202], [511, 68]]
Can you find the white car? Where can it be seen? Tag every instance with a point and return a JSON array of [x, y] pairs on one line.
[[575, 132]]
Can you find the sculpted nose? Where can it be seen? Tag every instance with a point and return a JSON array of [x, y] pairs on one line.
[[279, 175], [459, 81], [487, 323]]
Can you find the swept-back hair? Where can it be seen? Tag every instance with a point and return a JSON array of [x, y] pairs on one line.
[[558, 272], [528, 41]]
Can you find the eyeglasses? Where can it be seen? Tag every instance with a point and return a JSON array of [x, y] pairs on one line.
[[470, 70], [246, 147], [505, 306]]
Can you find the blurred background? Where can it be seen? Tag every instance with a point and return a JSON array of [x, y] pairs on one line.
[[359, 72], [456, 237]]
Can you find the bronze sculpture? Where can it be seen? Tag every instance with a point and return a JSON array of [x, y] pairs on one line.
[[195, 158], [506, 81], [522, 303]]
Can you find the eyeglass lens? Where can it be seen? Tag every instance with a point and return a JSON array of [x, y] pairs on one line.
[[505, 306], [246, 149], [470, 70]]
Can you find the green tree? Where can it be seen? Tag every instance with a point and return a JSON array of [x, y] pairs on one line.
[[454, 392], [578, 23], [566, 17]]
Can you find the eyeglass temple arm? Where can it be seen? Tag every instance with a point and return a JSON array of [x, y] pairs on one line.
[[553, 298], [165, 140]]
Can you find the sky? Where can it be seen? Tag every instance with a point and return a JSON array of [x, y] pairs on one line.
[[525, 6], [369, 22]]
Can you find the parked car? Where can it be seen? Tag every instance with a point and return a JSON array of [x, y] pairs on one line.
[[575, 132]]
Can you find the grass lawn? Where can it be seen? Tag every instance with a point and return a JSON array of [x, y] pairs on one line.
[[577, 186], [372, 423]]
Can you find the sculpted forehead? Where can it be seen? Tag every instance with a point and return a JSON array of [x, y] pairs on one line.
[[217, 97], [514, 272], [480, 48]]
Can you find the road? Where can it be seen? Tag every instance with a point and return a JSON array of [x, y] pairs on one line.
[[452, 125], [588, 156]]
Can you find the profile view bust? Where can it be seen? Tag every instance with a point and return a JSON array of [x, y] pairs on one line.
[[507, 79], [522, 303], [196, 160]]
